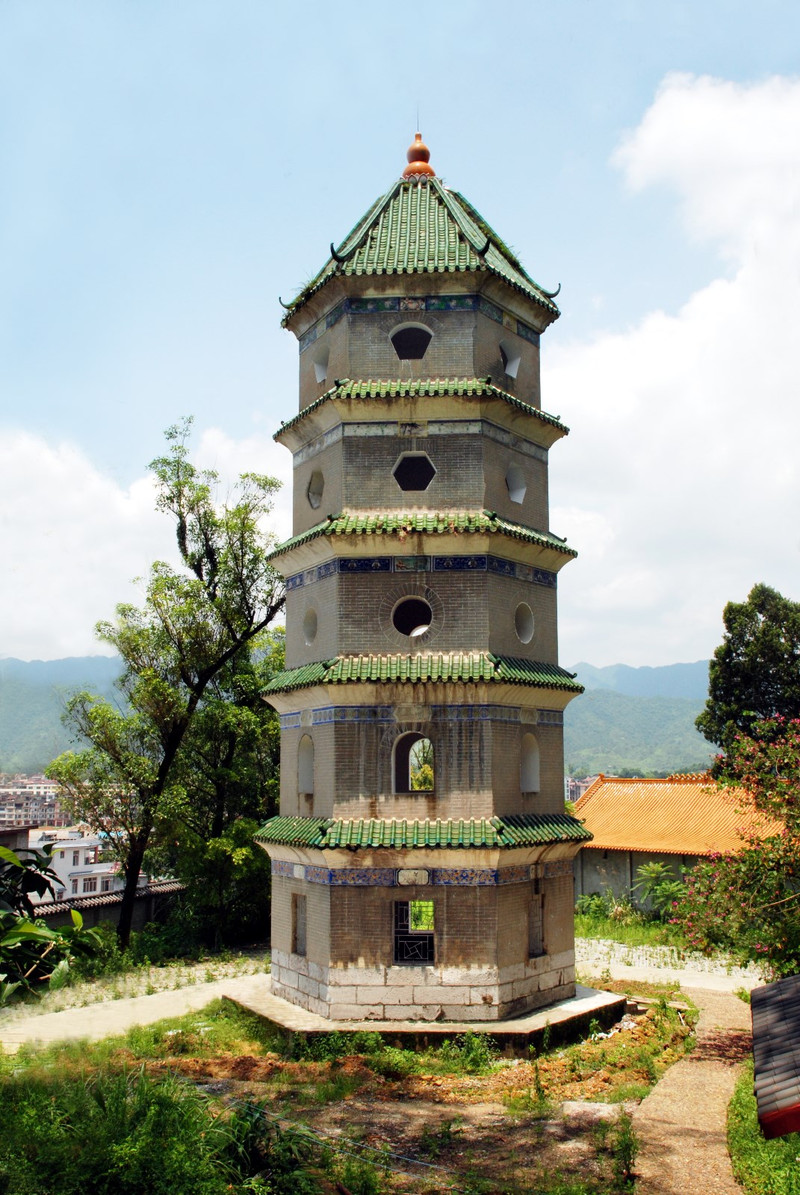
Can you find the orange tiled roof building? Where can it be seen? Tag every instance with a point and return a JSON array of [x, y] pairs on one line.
[[677, 821]]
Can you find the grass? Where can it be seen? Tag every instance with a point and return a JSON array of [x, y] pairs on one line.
[[762, 1167], [629, 933], [318, 1079]]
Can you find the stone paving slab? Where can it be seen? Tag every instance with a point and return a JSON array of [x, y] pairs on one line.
[[682, 1124], [582, 1007]]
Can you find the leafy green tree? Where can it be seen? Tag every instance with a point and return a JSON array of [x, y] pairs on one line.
[[197, 623], [230, 765], [755, 672], [749, 903]]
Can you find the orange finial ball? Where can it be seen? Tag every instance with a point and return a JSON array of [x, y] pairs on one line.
[[418, 160]]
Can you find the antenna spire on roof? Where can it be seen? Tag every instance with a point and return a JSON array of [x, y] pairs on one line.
[[418, 160]]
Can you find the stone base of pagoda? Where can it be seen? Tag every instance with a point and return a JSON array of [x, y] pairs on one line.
[[423, 993]]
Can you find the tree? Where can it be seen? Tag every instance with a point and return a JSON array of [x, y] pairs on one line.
[[755, 672], [196, 623], [749, 903], [230, 764]]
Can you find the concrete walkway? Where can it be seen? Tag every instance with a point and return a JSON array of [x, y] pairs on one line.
[[114, 1017], [681, 1125]]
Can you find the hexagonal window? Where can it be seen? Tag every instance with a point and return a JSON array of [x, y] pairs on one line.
[[516, 484], [414, 471], [510, 356], [316, 488]]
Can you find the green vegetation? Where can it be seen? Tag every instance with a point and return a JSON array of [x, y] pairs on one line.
[[191, 741], [618, 920], [126, 1114], [747, 904], [762, 1167], [32, 954], [753, 676]]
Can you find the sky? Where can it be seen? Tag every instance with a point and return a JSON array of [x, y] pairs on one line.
[[170, 168]]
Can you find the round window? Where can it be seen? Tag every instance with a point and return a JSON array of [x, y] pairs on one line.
[[412, 617], [310, 626], [523, 622]]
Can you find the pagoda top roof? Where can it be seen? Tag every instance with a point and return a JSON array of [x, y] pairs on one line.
[[421, 227]]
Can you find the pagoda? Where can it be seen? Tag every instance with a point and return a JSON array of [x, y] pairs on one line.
[[422, 858]]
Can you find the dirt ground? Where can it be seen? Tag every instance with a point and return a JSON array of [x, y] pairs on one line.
[[509, 1130]]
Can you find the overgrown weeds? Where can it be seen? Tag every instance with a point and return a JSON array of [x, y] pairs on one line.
[[762, 1167]]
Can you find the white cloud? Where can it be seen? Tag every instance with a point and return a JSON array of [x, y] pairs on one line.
[[74, 540], [687, 426]]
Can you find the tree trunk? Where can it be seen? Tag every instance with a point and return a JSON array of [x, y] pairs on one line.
[[133, 869]]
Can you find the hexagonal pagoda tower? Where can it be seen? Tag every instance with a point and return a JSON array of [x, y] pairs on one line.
[[422, 859]]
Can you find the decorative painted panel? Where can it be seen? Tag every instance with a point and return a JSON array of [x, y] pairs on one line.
[[389, 877], [423, 564], [357, 306]]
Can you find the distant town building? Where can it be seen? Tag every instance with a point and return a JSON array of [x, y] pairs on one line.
[[30, 800], [83, 862]]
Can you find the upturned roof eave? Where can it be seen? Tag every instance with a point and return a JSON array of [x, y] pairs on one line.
[[392, 692], [495, 832], [524, 544], [427, 668], [368, 399]]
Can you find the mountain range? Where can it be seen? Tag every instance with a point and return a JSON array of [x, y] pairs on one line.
[[635, 720]]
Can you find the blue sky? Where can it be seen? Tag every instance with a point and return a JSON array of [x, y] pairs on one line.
[[167, 170]]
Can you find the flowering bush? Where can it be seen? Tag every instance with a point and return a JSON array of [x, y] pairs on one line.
[[749, 903]]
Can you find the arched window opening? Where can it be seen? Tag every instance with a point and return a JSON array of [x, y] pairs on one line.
[[524, 622], [411, 343], [305, 767], [529, 765], [413, 764]]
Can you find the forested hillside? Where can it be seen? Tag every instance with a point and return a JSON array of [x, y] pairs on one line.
[[32, 697], [614, 733], [635, 719]]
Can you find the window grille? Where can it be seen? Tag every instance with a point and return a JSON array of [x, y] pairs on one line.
[[413, 931]]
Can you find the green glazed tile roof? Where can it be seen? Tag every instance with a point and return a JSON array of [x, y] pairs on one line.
[[448, 522], [463, 387], [421, 227], [465, 667], [528, 829]]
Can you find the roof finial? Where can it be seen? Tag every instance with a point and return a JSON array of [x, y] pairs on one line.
[[418, 160]]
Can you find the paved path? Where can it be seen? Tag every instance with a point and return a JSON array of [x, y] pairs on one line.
[[681, 1125], [118, 1016]]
